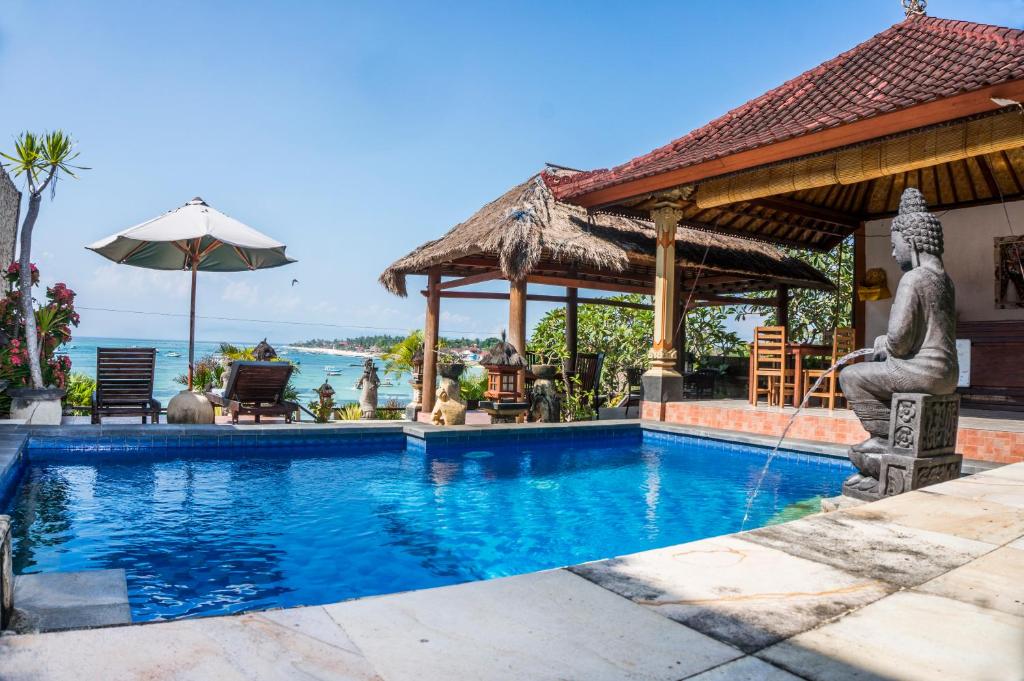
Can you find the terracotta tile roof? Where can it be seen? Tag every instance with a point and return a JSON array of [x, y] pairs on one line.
[[916, 61]]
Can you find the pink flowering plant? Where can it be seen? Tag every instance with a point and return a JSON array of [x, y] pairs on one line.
[[54, 319]]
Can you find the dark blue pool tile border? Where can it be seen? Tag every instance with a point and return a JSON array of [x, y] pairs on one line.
[[13, 446], [761, 450]]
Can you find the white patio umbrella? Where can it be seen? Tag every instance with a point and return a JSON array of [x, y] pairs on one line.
[[194, 237]]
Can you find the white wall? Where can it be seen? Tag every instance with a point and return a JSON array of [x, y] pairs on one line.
[[969, 257]]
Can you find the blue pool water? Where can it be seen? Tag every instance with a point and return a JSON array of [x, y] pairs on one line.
[[202, 533]]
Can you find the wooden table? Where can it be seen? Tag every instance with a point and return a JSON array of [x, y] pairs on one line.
[[797, 351]]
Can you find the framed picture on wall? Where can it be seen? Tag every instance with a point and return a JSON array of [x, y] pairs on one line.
[[1009, 254]]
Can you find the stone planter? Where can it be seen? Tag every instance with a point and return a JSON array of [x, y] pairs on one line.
[[452, 371], [38, 407], [189, 407], [546, 372]]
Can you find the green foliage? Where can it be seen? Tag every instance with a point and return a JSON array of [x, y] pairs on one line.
[[473, 384], [80, 388], [41, 159], [349, 412], [623, 334], [54, 319], [814, 314], [578, 404], [398, 360], [391, 411], [706, 335], [323, 407]]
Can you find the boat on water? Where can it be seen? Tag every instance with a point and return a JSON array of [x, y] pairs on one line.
[[172, 353]]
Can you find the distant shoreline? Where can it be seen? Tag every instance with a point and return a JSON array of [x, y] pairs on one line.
[[328, 351]]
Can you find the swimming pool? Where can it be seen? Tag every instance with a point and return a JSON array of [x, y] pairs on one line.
[[204, 531]]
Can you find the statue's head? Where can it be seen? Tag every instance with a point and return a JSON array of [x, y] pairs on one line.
[[914, 230], [442, 395]]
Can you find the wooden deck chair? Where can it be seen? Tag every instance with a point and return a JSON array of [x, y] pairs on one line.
[[256, 389], [588, 369], [124, 384], [769, 363], [843, 343]]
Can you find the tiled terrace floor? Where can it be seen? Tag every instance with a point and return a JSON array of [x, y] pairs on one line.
[[923, 586]]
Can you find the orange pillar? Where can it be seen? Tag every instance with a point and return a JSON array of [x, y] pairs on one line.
[[662, 383], [517, 326], [430, 331]]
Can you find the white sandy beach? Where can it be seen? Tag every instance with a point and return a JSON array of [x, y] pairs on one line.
[[329, 351]]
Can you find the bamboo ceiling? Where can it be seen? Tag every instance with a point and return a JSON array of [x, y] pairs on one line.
[[816, 202]]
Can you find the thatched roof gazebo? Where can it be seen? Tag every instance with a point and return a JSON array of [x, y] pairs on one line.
[[528, 236]]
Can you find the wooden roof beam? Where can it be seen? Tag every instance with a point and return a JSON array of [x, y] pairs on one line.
[[807, 210], [471, 279]]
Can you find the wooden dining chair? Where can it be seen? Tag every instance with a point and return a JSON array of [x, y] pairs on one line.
[[843, 343], [768, 361]]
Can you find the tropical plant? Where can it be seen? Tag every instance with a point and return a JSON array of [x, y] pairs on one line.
[[80, 388], [42, 160], [398, 360], [813, 314], [349, 412], [473, 385], [391, 411], [323, 407], [53, 321], [707, 335], [578, 404], [208, 372]]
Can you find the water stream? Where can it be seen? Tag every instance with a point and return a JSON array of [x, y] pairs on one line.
[[845, 359]]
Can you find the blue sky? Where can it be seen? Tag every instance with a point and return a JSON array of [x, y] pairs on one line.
[[355, 131]]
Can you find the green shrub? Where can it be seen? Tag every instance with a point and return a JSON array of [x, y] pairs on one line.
[[80, 388], [349, 412]]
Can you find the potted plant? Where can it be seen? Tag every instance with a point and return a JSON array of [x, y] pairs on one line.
[[450, 364], [42, 160]]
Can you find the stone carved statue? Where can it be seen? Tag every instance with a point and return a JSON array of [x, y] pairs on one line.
[[448, 411], [368, 383], [545, 404], [916, 358]]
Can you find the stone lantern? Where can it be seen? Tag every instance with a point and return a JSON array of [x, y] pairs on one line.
[[503, 364]]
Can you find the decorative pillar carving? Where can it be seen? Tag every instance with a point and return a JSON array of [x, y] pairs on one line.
[[662, 382], [663, 352]]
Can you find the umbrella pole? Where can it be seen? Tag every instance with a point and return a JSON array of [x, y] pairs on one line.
[[192, 325]]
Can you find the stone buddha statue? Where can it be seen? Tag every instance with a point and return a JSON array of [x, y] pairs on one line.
[[917, 354]]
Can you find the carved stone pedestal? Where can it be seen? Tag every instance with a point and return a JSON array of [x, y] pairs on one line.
[[922, 448]]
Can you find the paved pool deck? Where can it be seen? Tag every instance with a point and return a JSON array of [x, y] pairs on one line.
[[926, 585]]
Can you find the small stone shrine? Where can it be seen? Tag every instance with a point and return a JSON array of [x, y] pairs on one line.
[[906, 397]]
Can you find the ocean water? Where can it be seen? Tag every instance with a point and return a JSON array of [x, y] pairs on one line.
[[216, 532], [312, 368]]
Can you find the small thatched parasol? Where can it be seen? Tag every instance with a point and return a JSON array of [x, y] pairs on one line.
[[503, 354]]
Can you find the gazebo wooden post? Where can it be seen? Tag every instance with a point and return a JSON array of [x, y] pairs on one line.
[[572, 321], [430, 331], [662, 383], [782, 307], [517, 326]]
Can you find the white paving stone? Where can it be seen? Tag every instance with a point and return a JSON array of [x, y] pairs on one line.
[[909, 636], [548, 625], [301, 643], [995, 580], [976, 519], [745, 669], [737, 591], [999, 488]]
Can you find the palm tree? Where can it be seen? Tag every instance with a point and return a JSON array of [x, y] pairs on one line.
[[42, 159], [398, 360]]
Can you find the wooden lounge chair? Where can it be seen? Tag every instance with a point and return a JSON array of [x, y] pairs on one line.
[[124, 384], [257, 389]]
